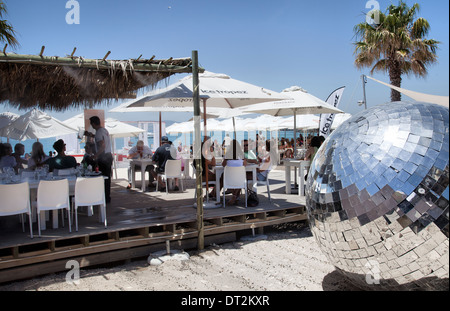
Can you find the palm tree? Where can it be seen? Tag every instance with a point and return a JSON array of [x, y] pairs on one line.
[[7, 33], [396, 44]]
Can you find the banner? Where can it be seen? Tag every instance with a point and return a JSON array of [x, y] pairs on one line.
[[326, 120]]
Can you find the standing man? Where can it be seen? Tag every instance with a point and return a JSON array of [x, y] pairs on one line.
[[103, 153]]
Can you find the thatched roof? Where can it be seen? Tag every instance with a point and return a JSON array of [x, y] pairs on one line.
[[58, 83]]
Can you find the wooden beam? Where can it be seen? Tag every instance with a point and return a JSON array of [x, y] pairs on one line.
[[107, 54], [42, 51], [73, 52], [90, 63]]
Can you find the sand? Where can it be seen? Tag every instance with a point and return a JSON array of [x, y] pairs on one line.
[[284, 258]]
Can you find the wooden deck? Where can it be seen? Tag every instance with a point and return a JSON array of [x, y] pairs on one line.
[[138, 223]]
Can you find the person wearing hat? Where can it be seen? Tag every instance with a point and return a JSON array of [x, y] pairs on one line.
[[61, 161], [162, 154]]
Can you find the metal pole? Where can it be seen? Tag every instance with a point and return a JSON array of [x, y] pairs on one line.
[[364, 81], [197, 151], [160, 130]]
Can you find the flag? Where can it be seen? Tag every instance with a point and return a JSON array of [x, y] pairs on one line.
[[326, 120]]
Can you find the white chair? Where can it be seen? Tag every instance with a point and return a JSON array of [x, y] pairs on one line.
[[16, 201], [234, 178], [172, 170], [266, 183], [90, 192], [53, 195]]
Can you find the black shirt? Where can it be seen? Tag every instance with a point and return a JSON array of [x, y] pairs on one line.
[[161, 155], [60, 162]]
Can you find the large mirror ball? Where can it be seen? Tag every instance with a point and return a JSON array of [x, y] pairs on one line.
[[377, 197]]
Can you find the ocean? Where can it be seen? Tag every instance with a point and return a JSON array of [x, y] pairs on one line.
[[48, 143], [183, 139]]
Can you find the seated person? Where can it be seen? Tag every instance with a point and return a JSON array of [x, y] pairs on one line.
[[265, 163], [61, 161], [234, 157], [140, 151], [160, 157], [38, 156], [6, 158], [208, 161], [19, 151], [313, 147], [89, 152]]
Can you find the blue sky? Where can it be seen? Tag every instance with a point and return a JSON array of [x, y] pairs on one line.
[[273, 44]]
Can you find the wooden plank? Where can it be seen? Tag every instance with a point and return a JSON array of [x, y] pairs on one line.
[[15, 273], [142, 241]]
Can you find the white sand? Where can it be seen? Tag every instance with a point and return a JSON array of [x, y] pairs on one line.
[[287, 260]]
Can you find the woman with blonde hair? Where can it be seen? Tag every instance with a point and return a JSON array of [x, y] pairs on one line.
[[38, 156]]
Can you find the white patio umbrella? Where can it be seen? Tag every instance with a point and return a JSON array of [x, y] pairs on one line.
[[36, 124], [302, 122], [215, 90], [5, 120], [300, 102], [220, 91], [116, 128]]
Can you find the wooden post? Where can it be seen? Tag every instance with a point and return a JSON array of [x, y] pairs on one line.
[[197, 151]]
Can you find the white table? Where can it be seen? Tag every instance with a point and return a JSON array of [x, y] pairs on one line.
[[143, 163], [219, 169], [303, 167]]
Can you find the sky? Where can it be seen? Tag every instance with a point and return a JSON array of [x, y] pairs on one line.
[[272, 44]]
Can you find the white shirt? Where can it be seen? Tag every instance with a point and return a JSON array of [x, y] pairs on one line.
[[146, 151], [102, 135]]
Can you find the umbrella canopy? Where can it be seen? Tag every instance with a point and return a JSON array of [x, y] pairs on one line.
[[115, 128], [5, 120], [220, 91], [36, 124], [302, 122], [300, 102]]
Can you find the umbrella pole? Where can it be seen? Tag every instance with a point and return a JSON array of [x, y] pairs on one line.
[[197, 154], [204, 140], [295, 146], [114, 154], [160, 130]]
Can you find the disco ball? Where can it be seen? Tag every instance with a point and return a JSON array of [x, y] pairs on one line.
[[377, 197]]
